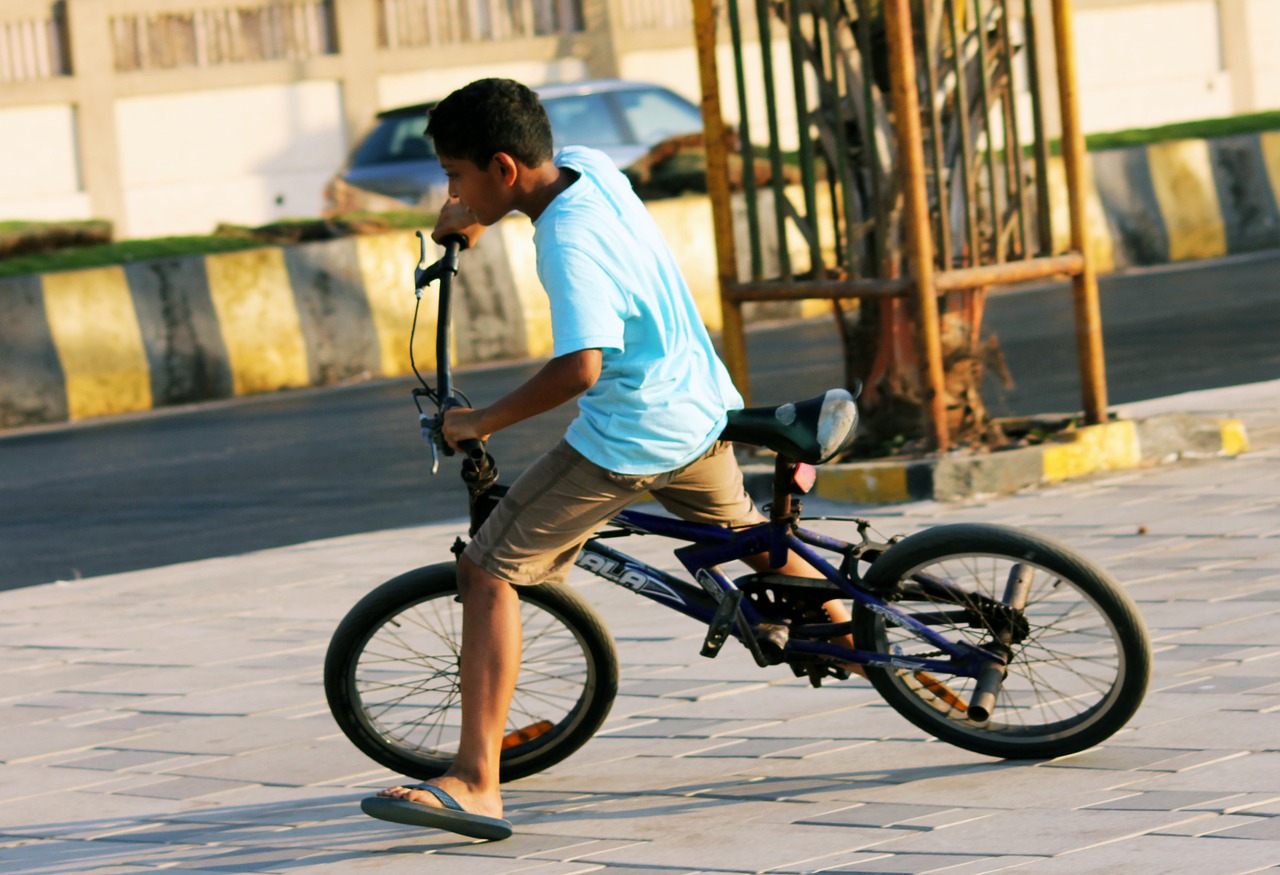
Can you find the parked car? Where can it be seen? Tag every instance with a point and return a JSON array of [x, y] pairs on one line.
[[394, 165]]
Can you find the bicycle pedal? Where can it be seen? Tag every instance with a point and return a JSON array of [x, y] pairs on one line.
[[721, 623]]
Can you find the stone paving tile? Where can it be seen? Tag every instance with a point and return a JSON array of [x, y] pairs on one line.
[[748, 850], [1269, 808], [647, 870], [1038, 831], [1185, 761], [873, 720], [112, 760], [679, 727], [652, 818], [186, 788], [817, 749], [1213, 825], [1252, 828], [60, 856], [256, 805], [635, 775], [743, 748], [1163, 855], [52, 739], [905, 864], [1250, 730], [690, 688], [1114, 758], [876, 815], [1240, 802], [1162, 800], [984, 865], [607, 749]]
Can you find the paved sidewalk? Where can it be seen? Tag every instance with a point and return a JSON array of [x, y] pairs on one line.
[[174, 719]]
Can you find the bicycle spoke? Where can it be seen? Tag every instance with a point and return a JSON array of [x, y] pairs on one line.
[[407, 676]]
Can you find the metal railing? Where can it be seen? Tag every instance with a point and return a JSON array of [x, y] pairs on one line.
[[915, 178], [177, 35], [416, 23], [656, 14], [33, 41]]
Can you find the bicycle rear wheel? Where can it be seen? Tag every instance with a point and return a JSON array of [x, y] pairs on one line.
[[1079, 667], [391, 675]]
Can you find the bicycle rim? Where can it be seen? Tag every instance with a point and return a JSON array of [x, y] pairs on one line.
[[405, 683], [1076, 677]]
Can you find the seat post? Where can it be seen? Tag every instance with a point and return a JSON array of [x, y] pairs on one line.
[[783, 471]]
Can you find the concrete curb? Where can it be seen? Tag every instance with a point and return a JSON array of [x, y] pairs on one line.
[[1111, 446], [1177, 200]]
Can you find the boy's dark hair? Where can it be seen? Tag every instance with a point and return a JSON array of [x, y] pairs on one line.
[[490, 116]]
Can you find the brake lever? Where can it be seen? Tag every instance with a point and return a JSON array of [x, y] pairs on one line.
[[430, 425]]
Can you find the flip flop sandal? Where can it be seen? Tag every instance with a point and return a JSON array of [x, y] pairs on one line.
[[451, 817]]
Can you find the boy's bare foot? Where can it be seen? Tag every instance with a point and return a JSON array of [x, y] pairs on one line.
[[476, 815], [472, 799]]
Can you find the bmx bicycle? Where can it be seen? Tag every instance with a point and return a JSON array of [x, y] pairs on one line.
[[992, 638]]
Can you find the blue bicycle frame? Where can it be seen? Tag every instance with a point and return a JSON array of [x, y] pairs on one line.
[[709, 546], [719, 602]]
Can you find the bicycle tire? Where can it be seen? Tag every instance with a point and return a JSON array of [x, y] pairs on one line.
[[391, 675], [1078, 676]]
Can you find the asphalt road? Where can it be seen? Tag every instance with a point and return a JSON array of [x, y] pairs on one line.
[[231, 477]]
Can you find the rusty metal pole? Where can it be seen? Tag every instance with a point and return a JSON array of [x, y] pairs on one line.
[[1084, 285], [906, 111], [717, 138]]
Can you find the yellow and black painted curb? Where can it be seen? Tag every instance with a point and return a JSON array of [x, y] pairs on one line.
[[1177, 200], [120, 339], [1093, 449]]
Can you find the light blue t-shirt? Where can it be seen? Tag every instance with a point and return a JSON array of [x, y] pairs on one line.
[[614, 285]]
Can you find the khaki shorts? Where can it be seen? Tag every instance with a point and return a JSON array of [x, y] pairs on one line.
[[537, 529]]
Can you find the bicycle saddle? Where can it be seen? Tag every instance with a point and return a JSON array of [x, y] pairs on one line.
[[812, 431]]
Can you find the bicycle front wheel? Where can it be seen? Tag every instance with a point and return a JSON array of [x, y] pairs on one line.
[[391, 676], [1080, 664]]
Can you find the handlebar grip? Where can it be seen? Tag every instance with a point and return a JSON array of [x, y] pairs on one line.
[[474, 449], [455, 239]]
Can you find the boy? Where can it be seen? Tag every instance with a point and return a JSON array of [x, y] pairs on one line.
[[653, 397]]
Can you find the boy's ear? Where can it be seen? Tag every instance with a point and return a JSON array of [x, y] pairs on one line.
[[507, 167]]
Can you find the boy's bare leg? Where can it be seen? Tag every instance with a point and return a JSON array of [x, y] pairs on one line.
[[488, 669], [836, 609]]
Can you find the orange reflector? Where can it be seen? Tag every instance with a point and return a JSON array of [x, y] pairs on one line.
[[528, 733], [941, 690], [804, 477]]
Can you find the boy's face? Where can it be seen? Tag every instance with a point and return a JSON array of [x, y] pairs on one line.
[[485, 191]]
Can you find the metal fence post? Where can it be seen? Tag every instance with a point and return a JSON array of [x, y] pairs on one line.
[[1084, 285], [906, 102], [717, 138]]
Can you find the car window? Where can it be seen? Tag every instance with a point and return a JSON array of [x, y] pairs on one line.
[[656, 115], [583, 120], [398, 138]]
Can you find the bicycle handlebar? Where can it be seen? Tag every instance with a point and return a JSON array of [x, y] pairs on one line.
[[424, 274], [478, 466]]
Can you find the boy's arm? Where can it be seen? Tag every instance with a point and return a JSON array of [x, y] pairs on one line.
[[561, 379]]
